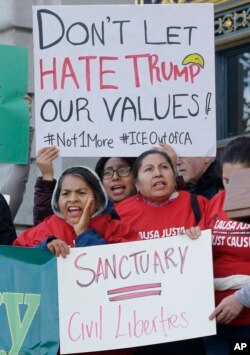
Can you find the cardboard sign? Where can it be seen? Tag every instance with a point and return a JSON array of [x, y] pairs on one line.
[[237, 199], [119, 79], [137, 293]]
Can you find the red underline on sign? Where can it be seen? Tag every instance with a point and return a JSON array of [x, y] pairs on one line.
[[128, 296], [125, 296], [133, 288]]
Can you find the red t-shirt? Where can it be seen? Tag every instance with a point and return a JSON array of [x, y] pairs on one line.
[[231, 248], [153, 222]]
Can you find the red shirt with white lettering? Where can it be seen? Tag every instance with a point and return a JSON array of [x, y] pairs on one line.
[[231, 248], [167, 220]]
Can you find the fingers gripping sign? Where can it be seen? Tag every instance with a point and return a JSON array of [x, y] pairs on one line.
[[58, 247], [193, 232]]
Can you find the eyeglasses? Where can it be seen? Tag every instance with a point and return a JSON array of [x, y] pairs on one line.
[[123, 171]]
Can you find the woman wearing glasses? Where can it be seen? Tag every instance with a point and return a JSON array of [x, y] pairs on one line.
[[117, 178]]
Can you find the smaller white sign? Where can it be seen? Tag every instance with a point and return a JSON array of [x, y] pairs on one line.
[[138, 293]]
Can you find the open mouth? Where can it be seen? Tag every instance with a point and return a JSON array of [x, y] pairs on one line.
[[74, 210], [159, 184], [117, 188]]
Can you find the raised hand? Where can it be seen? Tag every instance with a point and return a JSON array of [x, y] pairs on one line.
[[44, 161], [170, 152], [83, 223]]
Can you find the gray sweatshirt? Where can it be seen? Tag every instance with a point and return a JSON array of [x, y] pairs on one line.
[[243, 295]]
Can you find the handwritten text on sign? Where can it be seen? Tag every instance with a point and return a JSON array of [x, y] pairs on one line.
[[124, 78], [138, 293]]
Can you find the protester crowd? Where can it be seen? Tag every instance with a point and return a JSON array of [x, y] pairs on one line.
[[131, 199]]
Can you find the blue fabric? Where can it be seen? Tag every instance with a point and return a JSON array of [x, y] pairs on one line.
[[89, 238], [86, 239], [220, 344], [44, 243], [111, 210]]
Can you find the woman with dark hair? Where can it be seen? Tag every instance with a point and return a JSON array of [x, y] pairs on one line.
[[154, 179], [117, 178], [231, 257], [158, 210]]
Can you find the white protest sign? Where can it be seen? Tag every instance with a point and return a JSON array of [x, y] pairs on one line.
[[137, 293], [119, 79]]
